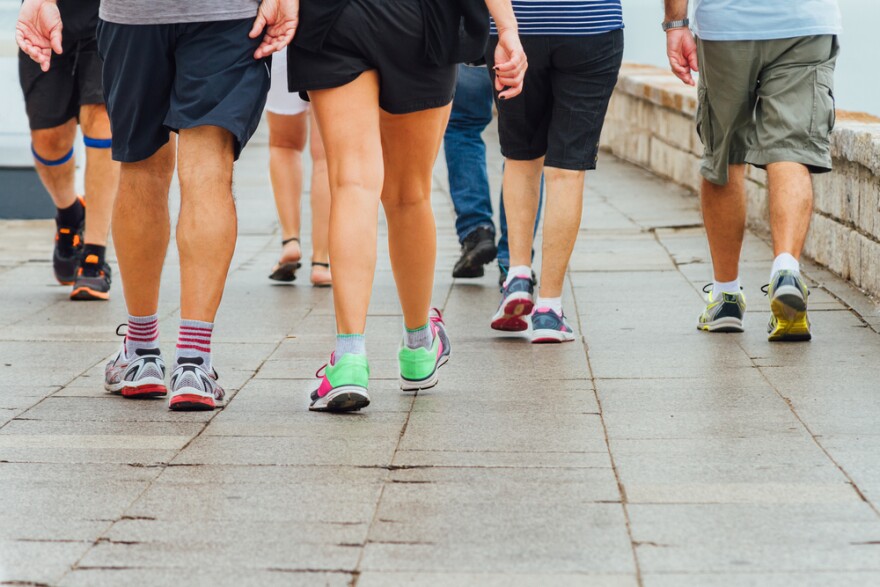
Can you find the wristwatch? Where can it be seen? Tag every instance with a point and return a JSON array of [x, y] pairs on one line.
[[676, 24]]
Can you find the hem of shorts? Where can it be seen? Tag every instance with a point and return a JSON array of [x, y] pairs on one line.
[[416, 105], [764, 157], [328, 84], [287, 112], [522, 155], [241, 138], [190, 19], [569, 166], [44, 124], [129, 156]]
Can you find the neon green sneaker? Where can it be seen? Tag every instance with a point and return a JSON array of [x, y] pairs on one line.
[[788, 304], [418, 367], [343, 386], [724, 314]]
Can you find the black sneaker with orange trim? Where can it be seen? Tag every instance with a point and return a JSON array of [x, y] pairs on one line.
[[68, 249], [93, 280]]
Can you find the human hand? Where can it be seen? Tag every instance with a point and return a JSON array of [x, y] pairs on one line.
[[511, 64], [38, 30], [279, 19], [682, 52]]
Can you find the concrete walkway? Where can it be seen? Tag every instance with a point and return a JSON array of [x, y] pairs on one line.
[[645, 454]]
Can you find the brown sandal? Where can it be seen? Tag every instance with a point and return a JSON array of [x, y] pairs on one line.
[[286, 272]]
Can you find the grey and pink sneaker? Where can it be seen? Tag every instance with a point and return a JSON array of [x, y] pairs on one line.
[[516, 304], [550, 327]]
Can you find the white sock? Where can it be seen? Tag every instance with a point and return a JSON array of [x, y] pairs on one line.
[[515, 271], [554, 304], [720, 287], [784, 262]]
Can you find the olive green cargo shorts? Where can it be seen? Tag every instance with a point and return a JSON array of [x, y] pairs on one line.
[[763, 102]]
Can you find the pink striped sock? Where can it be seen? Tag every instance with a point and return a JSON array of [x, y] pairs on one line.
[[194, 342], [142, 333]]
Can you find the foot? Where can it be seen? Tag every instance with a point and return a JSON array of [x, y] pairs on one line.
[[788, 304], [477, 249], [321, 274], [291, 254], [92, 280], [193, 388], [550, 327], [516, 304], [139, 376], [504, 269], [724, 314], [66, 256], [418, 367], [343, 386]]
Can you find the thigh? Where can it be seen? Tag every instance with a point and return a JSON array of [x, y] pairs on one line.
[[50, 96], [288, 131], [137, 78], [218, 82], [583, 75], [523, 121], [89, 67]]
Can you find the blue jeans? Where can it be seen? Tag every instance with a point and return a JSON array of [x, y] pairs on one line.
[[466, 157]]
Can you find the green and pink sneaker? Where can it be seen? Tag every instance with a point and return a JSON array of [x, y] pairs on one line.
[[343, 386], [418, 367]]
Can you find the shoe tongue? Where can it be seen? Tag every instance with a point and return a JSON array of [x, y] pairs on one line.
[[190, 361], [148, 353]]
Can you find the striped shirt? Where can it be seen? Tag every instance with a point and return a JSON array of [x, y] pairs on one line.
[[566, 17]]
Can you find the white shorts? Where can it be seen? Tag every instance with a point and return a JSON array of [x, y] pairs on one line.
[[280, 101]]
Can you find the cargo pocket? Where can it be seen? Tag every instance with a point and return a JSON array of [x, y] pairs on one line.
[[824, 114], [704, 121]]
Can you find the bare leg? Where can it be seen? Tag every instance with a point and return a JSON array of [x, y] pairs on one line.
[[320, 201], [410, 144], [791, 206], [102, 175], [141, 228], [724, 214], [207, 229], [348, 118], [522, 192], [287, 140], [53, 144], [562, 221]]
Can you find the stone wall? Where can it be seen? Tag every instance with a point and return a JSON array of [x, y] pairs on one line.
[[651, 123]]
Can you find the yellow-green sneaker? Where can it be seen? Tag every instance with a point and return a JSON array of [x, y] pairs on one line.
[[788, 305], [418, 367], [724, 314]]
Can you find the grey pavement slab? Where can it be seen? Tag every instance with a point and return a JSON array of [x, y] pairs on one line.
[[645, 453]]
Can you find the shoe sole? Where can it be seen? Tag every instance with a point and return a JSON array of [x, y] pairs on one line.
[[792, 325], [726, 324], [427, 383], [347, 398], [510, 317], [475, 261], [551, 337], [151, 388], [85, 294], [286, 272], [191, 402]]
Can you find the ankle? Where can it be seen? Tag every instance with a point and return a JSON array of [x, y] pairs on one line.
[[350, 344], [419, 338], [194, 343]]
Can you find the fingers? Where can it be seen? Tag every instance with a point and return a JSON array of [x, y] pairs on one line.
[[682, 72], [55, 40], [259, 25], [276, 39]]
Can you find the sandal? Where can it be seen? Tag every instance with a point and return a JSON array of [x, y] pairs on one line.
[[321, 282], [286, 271]]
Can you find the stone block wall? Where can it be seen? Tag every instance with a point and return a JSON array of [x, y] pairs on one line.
[[651, 123]]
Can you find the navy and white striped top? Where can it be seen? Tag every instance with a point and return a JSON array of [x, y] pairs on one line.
[[566, 17]]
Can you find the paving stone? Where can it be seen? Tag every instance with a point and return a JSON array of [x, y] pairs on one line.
[[451, 579]]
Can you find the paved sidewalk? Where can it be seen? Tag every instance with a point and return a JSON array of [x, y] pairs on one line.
[[646, 454]]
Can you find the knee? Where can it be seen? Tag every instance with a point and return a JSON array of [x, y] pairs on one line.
[[405, 196], [280, 141], [94, 121], [53, 143]]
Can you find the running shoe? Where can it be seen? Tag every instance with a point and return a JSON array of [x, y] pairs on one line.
[[137, 377], [418, 367], [193, 388], [92, 280], [516, 304], [343, 386], [724, 314], [477, 249], [66, 256], [788, 304], [550, 327]]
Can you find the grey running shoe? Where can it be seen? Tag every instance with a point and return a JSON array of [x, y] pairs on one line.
[[516, 303], [724, 314], [788, 304], [140, 376], [550, 327], [193, 388]]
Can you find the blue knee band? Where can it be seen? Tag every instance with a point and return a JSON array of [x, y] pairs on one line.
[[50, 163], [97, 143]]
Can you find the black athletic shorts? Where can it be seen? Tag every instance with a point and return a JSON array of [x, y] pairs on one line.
[[53, 97], [165, 77], [560, 113], [385, 35]]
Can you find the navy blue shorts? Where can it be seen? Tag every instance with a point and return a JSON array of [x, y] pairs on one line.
[[165, 77]]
